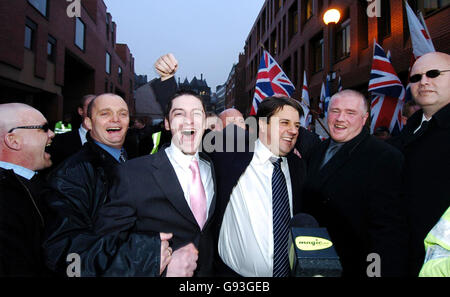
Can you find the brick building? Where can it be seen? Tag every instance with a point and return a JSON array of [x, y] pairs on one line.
[[294, 33], [235, 86], [49, 59]]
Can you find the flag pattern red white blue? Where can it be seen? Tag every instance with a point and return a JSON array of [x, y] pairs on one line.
[[271, 80], [340, 88], [388, 93], [420, 40], [305, 104], [325, 97]]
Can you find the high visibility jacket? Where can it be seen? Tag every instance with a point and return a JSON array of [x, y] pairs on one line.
[[61, 128], [156, 139], [437, 245]]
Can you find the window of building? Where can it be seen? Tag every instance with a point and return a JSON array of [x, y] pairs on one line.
[[278, 5], [363, 25], [319, 6], [295, 72], [40, 5], [273, 42], [293, 20], [80, 31], [263, 23], [287, 68], [317, 53], [120, 75], [384, 22], [343, 40], [258, 30], [107, 27], [30, 32], [428, 6], [51, 48], [113, 40], [308, 6], [108, 63]]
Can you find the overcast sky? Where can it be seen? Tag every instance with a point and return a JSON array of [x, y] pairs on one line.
[[206, 36]]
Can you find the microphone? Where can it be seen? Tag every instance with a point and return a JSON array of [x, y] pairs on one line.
[[311, 249]]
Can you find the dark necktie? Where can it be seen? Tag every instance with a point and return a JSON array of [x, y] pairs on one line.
[[331, 151], [122, 157], [281, 216], [422, 129]]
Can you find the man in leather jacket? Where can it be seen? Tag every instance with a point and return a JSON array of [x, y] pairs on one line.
[[78, 188]]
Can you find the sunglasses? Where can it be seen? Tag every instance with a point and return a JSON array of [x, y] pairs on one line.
[[44, 127], [430, 74]]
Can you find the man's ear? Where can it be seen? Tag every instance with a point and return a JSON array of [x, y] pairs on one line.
[[13, 141], [166, 124], [365, 117], [80, 111], [88, 123], [262, 125]]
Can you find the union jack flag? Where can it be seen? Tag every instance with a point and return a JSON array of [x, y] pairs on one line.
[[388, 93], [420, 39], [307, 117], [340, 87], [270, 81], [324, 97]]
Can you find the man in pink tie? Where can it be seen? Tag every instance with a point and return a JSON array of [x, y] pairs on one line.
[[172, 191]]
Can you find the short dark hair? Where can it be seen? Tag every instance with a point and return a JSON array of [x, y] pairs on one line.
[[271, 105], [180, 93], [91, 104], [84, 99]]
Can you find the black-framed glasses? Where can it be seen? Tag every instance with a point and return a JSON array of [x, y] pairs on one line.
[[44, 127], [430, 74]]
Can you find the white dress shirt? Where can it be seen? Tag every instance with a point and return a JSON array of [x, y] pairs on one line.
[[82, 132], [180, 163], [246, 236]]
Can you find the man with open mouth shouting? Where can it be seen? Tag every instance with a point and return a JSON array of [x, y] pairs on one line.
[[171, 191], [79, 187], [24, 135]]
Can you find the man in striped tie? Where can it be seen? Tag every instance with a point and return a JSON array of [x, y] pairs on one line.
[[258, 194]]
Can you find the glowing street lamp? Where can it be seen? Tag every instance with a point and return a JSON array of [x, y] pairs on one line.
[[331, 16]]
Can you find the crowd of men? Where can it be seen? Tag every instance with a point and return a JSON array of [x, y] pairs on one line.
[[188, 210]]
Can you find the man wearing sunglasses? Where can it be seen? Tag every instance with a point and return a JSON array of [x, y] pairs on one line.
[[425, 142], [24, 135]]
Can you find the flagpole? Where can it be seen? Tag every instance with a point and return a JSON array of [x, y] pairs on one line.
[[316, 113], [263, 47]]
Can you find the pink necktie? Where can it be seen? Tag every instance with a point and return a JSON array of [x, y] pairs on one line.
[[197, 195]]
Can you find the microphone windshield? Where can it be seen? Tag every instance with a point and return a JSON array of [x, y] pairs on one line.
[[304, 220]]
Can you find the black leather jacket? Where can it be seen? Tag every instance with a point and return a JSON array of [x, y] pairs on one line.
[[76, 190], [21, 226]]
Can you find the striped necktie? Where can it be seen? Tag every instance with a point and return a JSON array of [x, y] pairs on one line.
[[281, 216]]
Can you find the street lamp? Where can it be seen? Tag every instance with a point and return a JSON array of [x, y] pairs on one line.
[[331, 18]]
